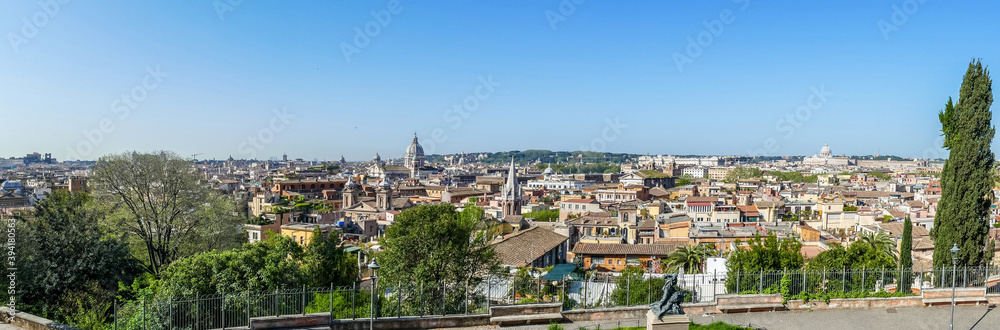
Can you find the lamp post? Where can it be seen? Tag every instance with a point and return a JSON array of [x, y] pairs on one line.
[[374, 266], [954, 265]]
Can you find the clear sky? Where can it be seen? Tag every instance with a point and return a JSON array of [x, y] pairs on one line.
[[259, 78]]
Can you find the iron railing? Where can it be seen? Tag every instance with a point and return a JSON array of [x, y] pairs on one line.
[[588, 290]]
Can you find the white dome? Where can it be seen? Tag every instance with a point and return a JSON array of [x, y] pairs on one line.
[[825, 151]]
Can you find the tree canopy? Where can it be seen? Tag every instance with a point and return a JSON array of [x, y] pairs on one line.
[[164, 208]]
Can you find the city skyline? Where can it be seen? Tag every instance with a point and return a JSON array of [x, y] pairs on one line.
[[331, 79]]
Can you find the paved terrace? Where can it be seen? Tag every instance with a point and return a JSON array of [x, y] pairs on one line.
[[966, 317]]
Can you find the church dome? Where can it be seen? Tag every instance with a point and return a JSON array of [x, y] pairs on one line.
[[549, 170], [825, 152], [414, 157], [414, 150]]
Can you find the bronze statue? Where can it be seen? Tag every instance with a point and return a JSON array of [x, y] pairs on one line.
[[670, 303]]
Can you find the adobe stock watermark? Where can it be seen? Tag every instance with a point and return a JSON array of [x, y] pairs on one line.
[[224, 6], [122, 106], [257, 143], [612, 129], [363, 35], [936, 150], [30, 27], [460, 112], [899, 16], [566, 9], [11, 265], [793, 120], [713, 29]]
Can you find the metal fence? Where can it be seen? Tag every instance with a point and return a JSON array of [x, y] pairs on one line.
[[590, 290]]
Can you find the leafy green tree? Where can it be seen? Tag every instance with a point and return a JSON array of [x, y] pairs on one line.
[[968, 176], [743, 173], [266, 265], [327, 264], [67, 268], [437, 247], [164, 207], [766, 254], [691, 257], [632, 288]]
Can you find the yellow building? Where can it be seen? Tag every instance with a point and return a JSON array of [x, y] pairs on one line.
[[302, 233]]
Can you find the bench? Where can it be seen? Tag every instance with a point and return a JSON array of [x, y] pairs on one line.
[[749, 303], [526, 313], [942, 296]]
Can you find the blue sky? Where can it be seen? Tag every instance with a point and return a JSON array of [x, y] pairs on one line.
[[258, 79]]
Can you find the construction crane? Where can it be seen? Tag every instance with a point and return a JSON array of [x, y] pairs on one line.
[[194, 156]]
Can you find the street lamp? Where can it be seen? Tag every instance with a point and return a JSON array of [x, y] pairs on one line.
[[374, 266], [954, 265]]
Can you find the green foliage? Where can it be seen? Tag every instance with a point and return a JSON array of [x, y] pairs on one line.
[[67, 269], [543, 215], [765, 254], [967, 178], [905, 251], [690, 257], [794, 177], [326, 264], [436, 244], [743, 173], [163, 207], [881, 176], [719, 325], [274, 263], [555, 326], [632, 288]]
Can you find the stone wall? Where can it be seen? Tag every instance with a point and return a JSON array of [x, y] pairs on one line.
[[27, 321], [856, 303]]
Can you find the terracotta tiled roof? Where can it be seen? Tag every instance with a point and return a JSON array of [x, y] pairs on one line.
[[527, 245], [593, 221], [658, 249]]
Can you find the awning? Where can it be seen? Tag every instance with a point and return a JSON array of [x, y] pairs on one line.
[[558, 271]]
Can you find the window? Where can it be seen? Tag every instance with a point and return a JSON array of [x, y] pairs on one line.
[[597, 260], [632, 261]]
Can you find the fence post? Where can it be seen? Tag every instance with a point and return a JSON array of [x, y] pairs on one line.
[[421, 303], [606, 294], [248, 307], [628, 291], [354, 305], [737, 281], [170, 314], [196, 303], [715, 279], [965, 276], [222, 311], [144, 312], [805, 280], [882, 286], [277, 306], [761, 288], [303, 299], [864, 273], [116, 314], [399, 299], [489, 293], [824, 279], [466, 296], [331, 300]]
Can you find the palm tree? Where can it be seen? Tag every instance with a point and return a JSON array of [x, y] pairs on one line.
[[690, 257], [881, 242]]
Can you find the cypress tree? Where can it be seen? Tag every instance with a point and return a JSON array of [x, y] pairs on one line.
[[967, 177], [905, 260]]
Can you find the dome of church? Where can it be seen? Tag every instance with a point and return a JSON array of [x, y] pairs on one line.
[[549, 170], [385, 183], [414, 157], [825, 152]]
